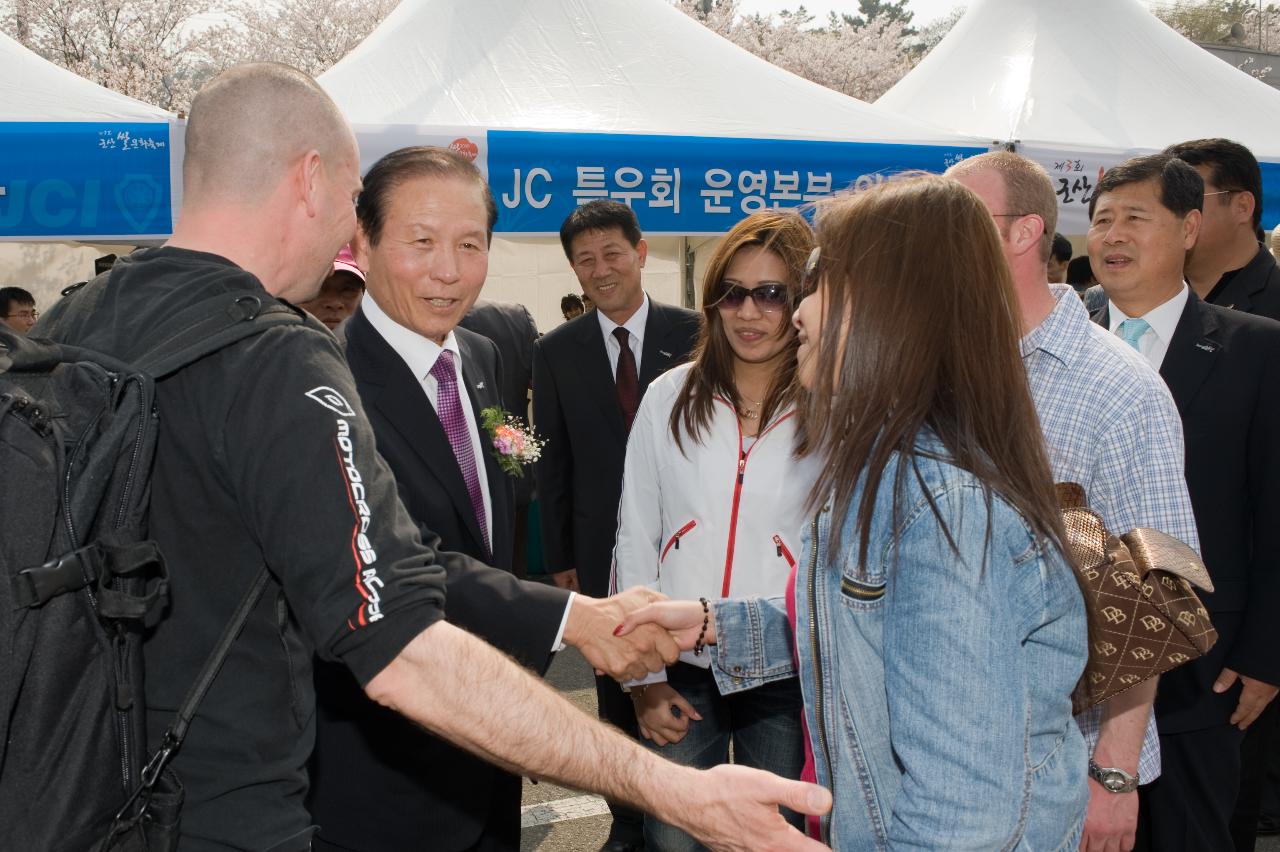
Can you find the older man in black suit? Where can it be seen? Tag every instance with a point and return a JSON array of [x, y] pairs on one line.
[[1223, 370], [379, 782], [588, 377]]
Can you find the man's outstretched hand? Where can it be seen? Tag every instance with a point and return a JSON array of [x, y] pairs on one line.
[[591, 626], [733, 808]]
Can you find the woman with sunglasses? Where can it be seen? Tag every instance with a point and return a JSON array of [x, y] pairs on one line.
[[937, 629], [712, 499]]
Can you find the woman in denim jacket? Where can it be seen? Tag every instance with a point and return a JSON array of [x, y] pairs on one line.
[[937, 629]]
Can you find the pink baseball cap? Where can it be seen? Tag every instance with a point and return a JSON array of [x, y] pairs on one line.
[[345, 262]]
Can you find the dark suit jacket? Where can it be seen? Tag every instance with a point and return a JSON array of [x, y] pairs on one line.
[[512, 329], [378, 781], [1223, 370], [575, 406], [1255, 289]]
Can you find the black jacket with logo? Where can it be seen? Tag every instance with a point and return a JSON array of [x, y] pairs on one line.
[[264, 456]]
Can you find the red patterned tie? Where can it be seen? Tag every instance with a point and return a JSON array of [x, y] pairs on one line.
[[449, 410], [627, 380]]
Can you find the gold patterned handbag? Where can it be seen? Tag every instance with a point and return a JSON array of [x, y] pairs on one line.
[[1145, 618]]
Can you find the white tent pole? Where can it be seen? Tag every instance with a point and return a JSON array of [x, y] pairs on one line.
[[688, 257]]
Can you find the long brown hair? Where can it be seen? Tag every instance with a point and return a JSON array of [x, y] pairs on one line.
[[787, 235], [920, 331]]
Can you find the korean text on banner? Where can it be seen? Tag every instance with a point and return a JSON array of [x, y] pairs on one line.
[[683, 184], [84, 179]]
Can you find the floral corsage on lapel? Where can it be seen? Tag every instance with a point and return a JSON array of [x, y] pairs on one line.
[[514, 444]]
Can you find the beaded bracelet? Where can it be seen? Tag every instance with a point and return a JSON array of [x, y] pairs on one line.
[[699, 646]]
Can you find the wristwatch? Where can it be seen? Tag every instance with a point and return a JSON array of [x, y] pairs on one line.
[[1113, 780]]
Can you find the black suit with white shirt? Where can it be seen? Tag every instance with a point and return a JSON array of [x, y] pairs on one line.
[[378, 781], [575, 407], [1223, 371]]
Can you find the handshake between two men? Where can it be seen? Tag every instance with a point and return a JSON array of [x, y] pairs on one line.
[[470, 693]]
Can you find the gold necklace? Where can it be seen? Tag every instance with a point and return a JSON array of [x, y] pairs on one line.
[[753, 413]]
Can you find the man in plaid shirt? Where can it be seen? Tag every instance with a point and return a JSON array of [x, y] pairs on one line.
[[1110, 425]]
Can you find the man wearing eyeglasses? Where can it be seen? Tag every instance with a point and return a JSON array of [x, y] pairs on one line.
[[18, 309], [1105, 413], [1230, 264]]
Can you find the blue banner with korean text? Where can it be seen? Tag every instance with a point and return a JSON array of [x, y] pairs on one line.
[[683, 184], [84, 180], [1270, 197]]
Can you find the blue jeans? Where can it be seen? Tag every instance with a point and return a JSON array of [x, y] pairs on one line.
[[763, 724]]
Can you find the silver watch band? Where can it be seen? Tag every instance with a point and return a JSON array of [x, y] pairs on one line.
[[1113, 780]]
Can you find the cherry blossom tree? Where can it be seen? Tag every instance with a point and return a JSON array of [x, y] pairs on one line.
[[143, 48], [310, 35], [1211, 21], [162, 51], [862, 56]]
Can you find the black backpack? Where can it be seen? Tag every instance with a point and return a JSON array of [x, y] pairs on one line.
[[80, 583]]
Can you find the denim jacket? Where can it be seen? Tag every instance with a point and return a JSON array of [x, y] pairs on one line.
[[937, 685]]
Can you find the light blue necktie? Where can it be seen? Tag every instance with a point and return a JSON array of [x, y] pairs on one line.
[[1131, 331]]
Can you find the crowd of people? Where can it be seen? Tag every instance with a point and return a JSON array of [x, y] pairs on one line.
[[808, 536]]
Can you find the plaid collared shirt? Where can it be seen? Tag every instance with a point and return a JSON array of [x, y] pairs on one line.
[[1109, 424]]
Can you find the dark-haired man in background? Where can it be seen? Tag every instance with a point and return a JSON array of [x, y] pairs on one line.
[[1229, 264], [18, 309], [588, 378], [571, 306], [1223, 370], [1059, 257]]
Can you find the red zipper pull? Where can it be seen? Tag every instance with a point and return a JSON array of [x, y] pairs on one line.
[[742, 467], [777, 540]]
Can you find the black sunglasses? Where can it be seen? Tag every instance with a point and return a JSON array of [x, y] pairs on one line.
[[766, 297], [809, 280]]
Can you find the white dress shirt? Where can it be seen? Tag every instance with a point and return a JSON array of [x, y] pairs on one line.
[[634, 327], [1154, 343], [421, 354]]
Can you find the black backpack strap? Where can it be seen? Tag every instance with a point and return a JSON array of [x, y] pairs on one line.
[[135, 806], [198, 330], [210, 325], [94, 565]]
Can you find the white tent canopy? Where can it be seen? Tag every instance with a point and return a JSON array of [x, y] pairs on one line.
[[34, 89], [1084, 86], [560, 101], [608, 66], [79, 162]]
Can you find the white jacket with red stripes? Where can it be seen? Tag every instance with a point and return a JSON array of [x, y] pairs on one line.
[[723, 518]]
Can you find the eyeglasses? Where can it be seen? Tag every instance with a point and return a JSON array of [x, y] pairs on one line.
[[809, 279], [23, 315], [767, 297], [1223, 192]]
